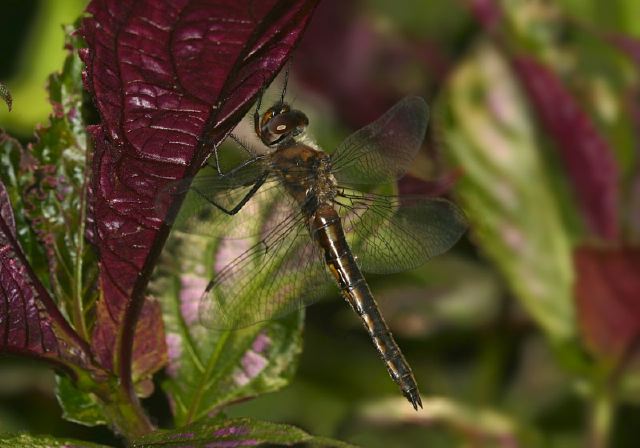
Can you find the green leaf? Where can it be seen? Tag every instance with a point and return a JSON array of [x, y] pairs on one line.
[[56, 200], [208, 369], [78, 407], [6, 95], [619, 15], [13, 157], [239, 432], [506, 190], [33, 441]]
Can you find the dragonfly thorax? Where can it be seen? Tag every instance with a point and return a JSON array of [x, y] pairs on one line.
[[305, 173]]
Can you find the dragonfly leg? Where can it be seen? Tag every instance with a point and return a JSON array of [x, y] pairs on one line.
[[215, 155], [286, 81], [243, 201], [242, 145], [256, 114]]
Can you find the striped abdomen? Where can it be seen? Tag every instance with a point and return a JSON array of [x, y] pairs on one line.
[[326, 229]]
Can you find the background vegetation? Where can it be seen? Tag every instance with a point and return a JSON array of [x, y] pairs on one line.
[[526, 333]]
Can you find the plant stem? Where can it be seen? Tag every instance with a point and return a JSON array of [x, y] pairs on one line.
[[127, 417], [601, 419], [78, 289]]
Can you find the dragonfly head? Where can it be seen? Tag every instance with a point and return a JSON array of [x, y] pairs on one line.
[[280, 124]]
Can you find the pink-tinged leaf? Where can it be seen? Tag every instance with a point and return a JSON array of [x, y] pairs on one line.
[[30, 324], [607, 293], [410, 185], [633, 212], [487, 12], [628, 45], [235, 433], [588, 159], [170, 80]]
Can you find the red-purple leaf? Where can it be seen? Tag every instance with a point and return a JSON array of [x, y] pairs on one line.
[[338, 38], [410, 185], [170, 80], [607, 292], [149, 345], [30, 324], [628, 45], [587, 157], [376, 65], [487, 12], [633, 211]]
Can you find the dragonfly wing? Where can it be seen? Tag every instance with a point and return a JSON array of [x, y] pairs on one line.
[[282, 272], [208, 193], [392, 234], [384, 149]]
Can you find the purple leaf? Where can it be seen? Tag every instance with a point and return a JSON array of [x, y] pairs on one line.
[[627, 44], [376, 66], [338, 38], [634, 193], [487, 12], [170, 80], [30, 323], [607, 292], [586, 155], [630, 46], [410, 185]]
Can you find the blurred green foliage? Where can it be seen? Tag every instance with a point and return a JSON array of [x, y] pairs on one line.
[[31, 48]]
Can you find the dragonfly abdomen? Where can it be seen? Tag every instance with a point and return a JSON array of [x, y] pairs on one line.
[[326, 229]]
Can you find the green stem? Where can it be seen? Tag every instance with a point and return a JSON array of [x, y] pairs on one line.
[[126, 416], [601, 419], [78, 290], [213, 360]]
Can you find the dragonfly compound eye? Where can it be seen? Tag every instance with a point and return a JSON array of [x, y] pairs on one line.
[[283, 126]]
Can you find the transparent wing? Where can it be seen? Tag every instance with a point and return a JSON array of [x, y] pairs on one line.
[[282, 272], [208, 192], [392, 234], [384, 149]]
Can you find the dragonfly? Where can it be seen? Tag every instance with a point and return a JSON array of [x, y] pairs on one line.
[[315, 221]]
